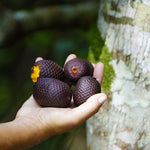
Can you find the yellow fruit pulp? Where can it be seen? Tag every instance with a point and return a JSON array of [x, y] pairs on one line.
[[35, 73]]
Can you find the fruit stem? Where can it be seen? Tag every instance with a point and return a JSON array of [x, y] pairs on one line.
[[74, 70]]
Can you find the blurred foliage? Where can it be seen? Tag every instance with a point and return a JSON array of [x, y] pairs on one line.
[[17, 58], [26, 4]]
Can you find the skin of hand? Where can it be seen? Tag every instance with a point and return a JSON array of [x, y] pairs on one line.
[[34, 124]]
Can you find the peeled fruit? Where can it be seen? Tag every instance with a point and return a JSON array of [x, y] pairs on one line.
[[85, 87], [50, 92], [76, 68], [46, 69]]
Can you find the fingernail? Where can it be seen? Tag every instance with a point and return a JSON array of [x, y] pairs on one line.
[[102, 99]]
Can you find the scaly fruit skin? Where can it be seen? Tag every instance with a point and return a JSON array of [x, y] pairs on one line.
[[50, 92], [85, 87], [46, 69], [77, 68]]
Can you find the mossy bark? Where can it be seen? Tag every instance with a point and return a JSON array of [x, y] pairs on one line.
[[123, 123]]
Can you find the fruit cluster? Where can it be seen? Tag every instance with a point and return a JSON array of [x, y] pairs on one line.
[[52, 83]]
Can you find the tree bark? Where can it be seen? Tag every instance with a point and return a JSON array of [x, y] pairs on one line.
[[123, 123]]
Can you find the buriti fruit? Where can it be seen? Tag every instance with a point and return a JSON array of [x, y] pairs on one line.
[[85, 87], [51, 92], [46, 69], [76, 68]]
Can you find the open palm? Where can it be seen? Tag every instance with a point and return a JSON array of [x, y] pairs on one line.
[[56, 120]]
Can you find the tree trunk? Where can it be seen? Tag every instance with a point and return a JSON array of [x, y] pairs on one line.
[[123, 123]]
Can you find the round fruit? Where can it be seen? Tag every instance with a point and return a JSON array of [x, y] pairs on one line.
[[46, 69], [76, 68], [50, 92], [85, 87]]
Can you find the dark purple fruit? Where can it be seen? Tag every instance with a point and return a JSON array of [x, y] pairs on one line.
[[76, 68], [46, 69], [85, 87], [50, 92]]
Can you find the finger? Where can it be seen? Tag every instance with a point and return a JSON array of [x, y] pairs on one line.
[[38, 58], [93, 65], [99, 72], [87, 109], [71, 56], [72, 105]]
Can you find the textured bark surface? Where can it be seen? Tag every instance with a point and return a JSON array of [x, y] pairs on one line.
[[123, 123]]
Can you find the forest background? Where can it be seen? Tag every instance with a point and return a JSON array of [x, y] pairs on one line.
[[50, 29]]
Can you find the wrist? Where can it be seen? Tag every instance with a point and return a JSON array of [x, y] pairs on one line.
[[31, 130], [22, 133]]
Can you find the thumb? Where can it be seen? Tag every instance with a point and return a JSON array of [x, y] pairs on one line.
[[89, 108]]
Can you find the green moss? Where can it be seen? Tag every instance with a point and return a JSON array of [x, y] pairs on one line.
[[109, 73], [98, 52], [88, 147]]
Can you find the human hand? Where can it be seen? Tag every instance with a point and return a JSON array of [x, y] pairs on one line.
[[48, 121]]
